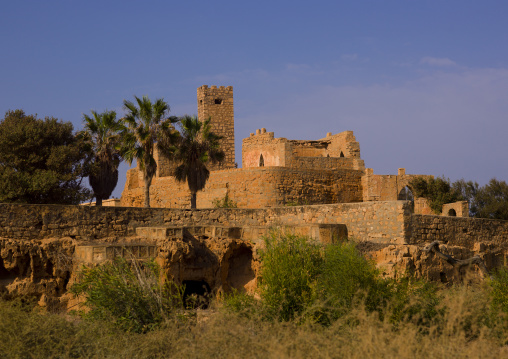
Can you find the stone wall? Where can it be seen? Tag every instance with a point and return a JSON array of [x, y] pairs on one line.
[[328, 163], [251, 188], [385, 187], [378, 222], [342, 144], [275, 151], [457, 231], [456, 209], [334, 151]]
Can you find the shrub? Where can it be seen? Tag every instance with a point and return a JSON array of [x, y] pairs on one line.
[[306, 280], [132, 295], [345, 276], [224, 202], [240, 303], [413, 300], [290, 266], [499, 292]]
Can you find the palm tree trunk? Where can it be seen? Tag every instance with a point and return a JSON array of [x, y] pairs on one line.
[[193, 200], [147, 192], [98, 201]]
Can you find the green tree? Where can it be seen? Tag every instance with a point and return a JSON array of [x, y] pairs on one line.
[[437, 190], [491, 200], [468, 191], [41, 161], [146, 125], [196, 147], [102, 134]]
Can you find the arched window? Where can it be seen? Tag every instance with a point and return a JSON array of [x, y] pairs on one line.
[[405, 194], [261, 161], [452, 213], [341, 154]]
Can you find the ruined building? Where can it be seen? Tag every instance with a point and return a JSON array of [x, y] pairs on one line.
[[42, 246], [276, 171]]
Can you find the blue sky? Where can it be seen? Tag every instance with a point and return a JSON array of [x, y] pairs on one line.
[[423, 84]]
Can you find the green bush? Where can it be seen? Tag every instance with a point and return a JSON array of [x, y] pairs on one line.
[[499, 290], [413, 300], [290, 266], [132, 295], [347, 277], [307, 280], [224, 202]]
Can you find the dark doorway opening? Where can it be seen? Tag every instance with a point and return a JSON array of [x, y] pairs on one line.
[[197, 294]]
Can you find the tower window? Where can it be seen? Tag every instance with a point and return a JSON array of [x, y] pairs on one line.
[[218, 101], [261, 161]]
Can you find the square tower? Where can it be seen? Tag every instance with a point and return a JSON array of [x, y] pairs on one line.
[[217, 103]]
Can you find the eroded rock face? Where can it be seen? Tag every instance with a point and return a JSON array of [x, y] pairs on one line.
[[223, 263], [45, 269], [399, 260], [211, 259], [33, 268]]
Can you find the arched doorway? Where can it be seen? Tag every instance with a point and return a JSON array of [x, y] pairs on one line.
[[452, 213], [405, 194]]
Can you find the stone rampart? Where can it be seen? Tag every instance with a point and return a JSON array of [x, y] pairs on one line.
[[251, 188], [379, 221], [457, 231], [384, 222], [328, 163]]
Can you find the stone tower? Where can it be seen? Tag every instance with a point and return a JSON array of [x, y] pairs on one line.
[[217, 103]]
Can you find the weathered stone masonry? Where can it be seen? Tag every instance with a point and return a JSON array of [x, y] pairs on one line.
[[380, 221]]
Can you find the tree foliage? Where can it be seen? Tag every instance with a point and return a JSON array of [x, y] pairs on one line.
[[196, 147], [41, 161], [102, 134], [489, 201], [146, 125], [437, 190]]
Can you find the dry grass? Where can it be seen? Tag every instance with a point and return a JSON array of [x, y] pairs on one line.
[[467, 329]]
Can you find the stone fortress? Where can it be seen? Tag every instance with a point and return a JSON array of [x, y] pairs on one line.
[[276, 171], [316, 188]]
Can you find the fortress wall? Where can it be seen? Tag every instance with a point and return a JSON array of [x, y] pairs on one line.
[[388, 221], [308, 148], [251, 188], [385, 187], [380, 221], [328, 163], [456, 231]]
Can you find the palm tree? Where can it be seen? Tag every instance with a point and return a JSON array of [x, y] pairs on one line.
[[146, 125], [102, 135], [196, 147]]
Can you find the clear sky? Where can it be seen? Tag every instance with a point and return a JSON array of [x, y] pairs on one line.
[[423, 84]]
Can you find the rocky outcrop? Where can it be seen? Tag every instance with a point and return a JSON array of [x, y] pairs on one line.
[[399, 260], [33, 268]]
